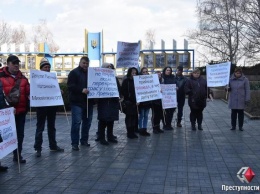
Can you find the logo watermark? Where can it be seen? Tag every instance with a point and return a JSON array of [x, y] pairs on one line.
[[245, 175]]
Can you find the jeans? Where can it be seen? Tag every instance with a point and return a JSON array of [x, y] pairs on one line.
[[19, 122], [181, 102], [48, 112], [79, 117], [237, 113], [143, 117]]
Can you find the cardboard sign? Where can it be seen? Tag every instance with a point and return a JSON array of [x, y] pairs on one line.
[[169, 96], [127, 54], [218, 74], [44, 89], [7, 131], [102, 83], [147, 87]]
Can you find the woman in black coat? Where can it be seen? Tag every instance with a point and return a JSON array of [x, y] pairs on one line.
[[168, 78], [196, 89], [128, 92], [108, 112]]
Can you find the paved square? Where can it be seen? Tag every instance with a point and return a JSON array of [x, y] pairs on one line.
[[178, 161]]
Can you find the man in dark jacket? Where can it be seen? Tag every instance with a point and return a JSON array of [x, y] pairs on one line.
[[81, 106], [181, 80], [10, 76]]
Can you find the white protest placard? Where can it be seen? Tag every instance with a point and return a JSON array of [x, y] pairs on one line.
[[7, 131], [102, 83], [169, 96], [44, 89], [218, 74], [147, 87], [127, 54]]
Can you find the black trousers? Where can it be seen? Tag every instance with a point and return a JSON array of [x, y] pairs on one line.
[[131, 122], [43, 113], [196, 115], [102, 125], [157, 116], [19, 122], [181, 102], [237, 113], [169, 116]]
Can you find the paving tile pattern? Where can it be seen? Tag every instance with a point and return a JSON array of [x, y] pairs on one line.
[[178, 161]]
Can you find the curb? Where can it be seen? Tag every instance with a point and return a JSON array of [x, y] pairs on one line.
[[246, 113]]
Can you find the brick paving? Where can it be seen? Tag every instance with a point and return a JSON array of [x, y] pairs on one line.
[[178, 161]]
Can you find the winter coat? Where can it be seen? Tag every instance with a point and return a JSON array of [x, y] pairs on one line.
[[239, 92], [128, 92], [77, 80], [8, 82], [180, 83], [108, 108], [196, 89]]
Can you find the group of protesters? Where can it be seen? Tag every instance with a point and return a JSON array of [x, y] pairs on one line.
[[136, 114]]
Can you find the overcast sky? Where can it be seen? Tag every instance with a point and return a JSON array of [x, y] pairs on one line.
[[120, 20]]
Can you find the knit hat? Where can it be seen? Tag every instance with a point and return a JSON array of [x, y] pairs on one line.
[[44, 62]]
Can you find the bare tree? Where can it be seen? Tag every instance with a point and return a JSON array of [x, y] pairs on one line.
[[149, 37], [5, 35], [220, 31], [251, 19], [43, 34]]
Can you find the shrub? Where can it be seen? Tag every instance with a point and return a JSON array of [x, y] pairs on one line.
[[65, 96]]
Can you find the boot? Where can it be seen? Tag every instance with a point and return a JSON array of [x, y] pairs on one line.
[[179, 124], [144, 132], [233, 128], [200, 127], [193, 127]]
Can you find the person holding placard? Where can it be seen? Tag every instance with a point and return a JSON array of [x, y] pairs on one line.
[[168, 78], [108, 112], [239, 97], [157, 110], [180, 83], [196, 89], [131, 113], [81, 106], [12, 77], [144, 108], [2, 105], [43, 113]]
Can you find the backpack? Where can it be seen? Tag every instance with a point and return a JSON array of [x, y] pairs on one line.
[[14, 95]]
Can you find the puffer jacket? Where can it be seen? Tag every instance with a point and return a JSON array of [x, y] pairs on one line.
[[196, 89], [8, 82], [239, 92]]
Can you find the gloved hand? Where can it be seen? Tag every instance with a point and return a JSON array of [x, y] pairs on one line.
[[247, 103]]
